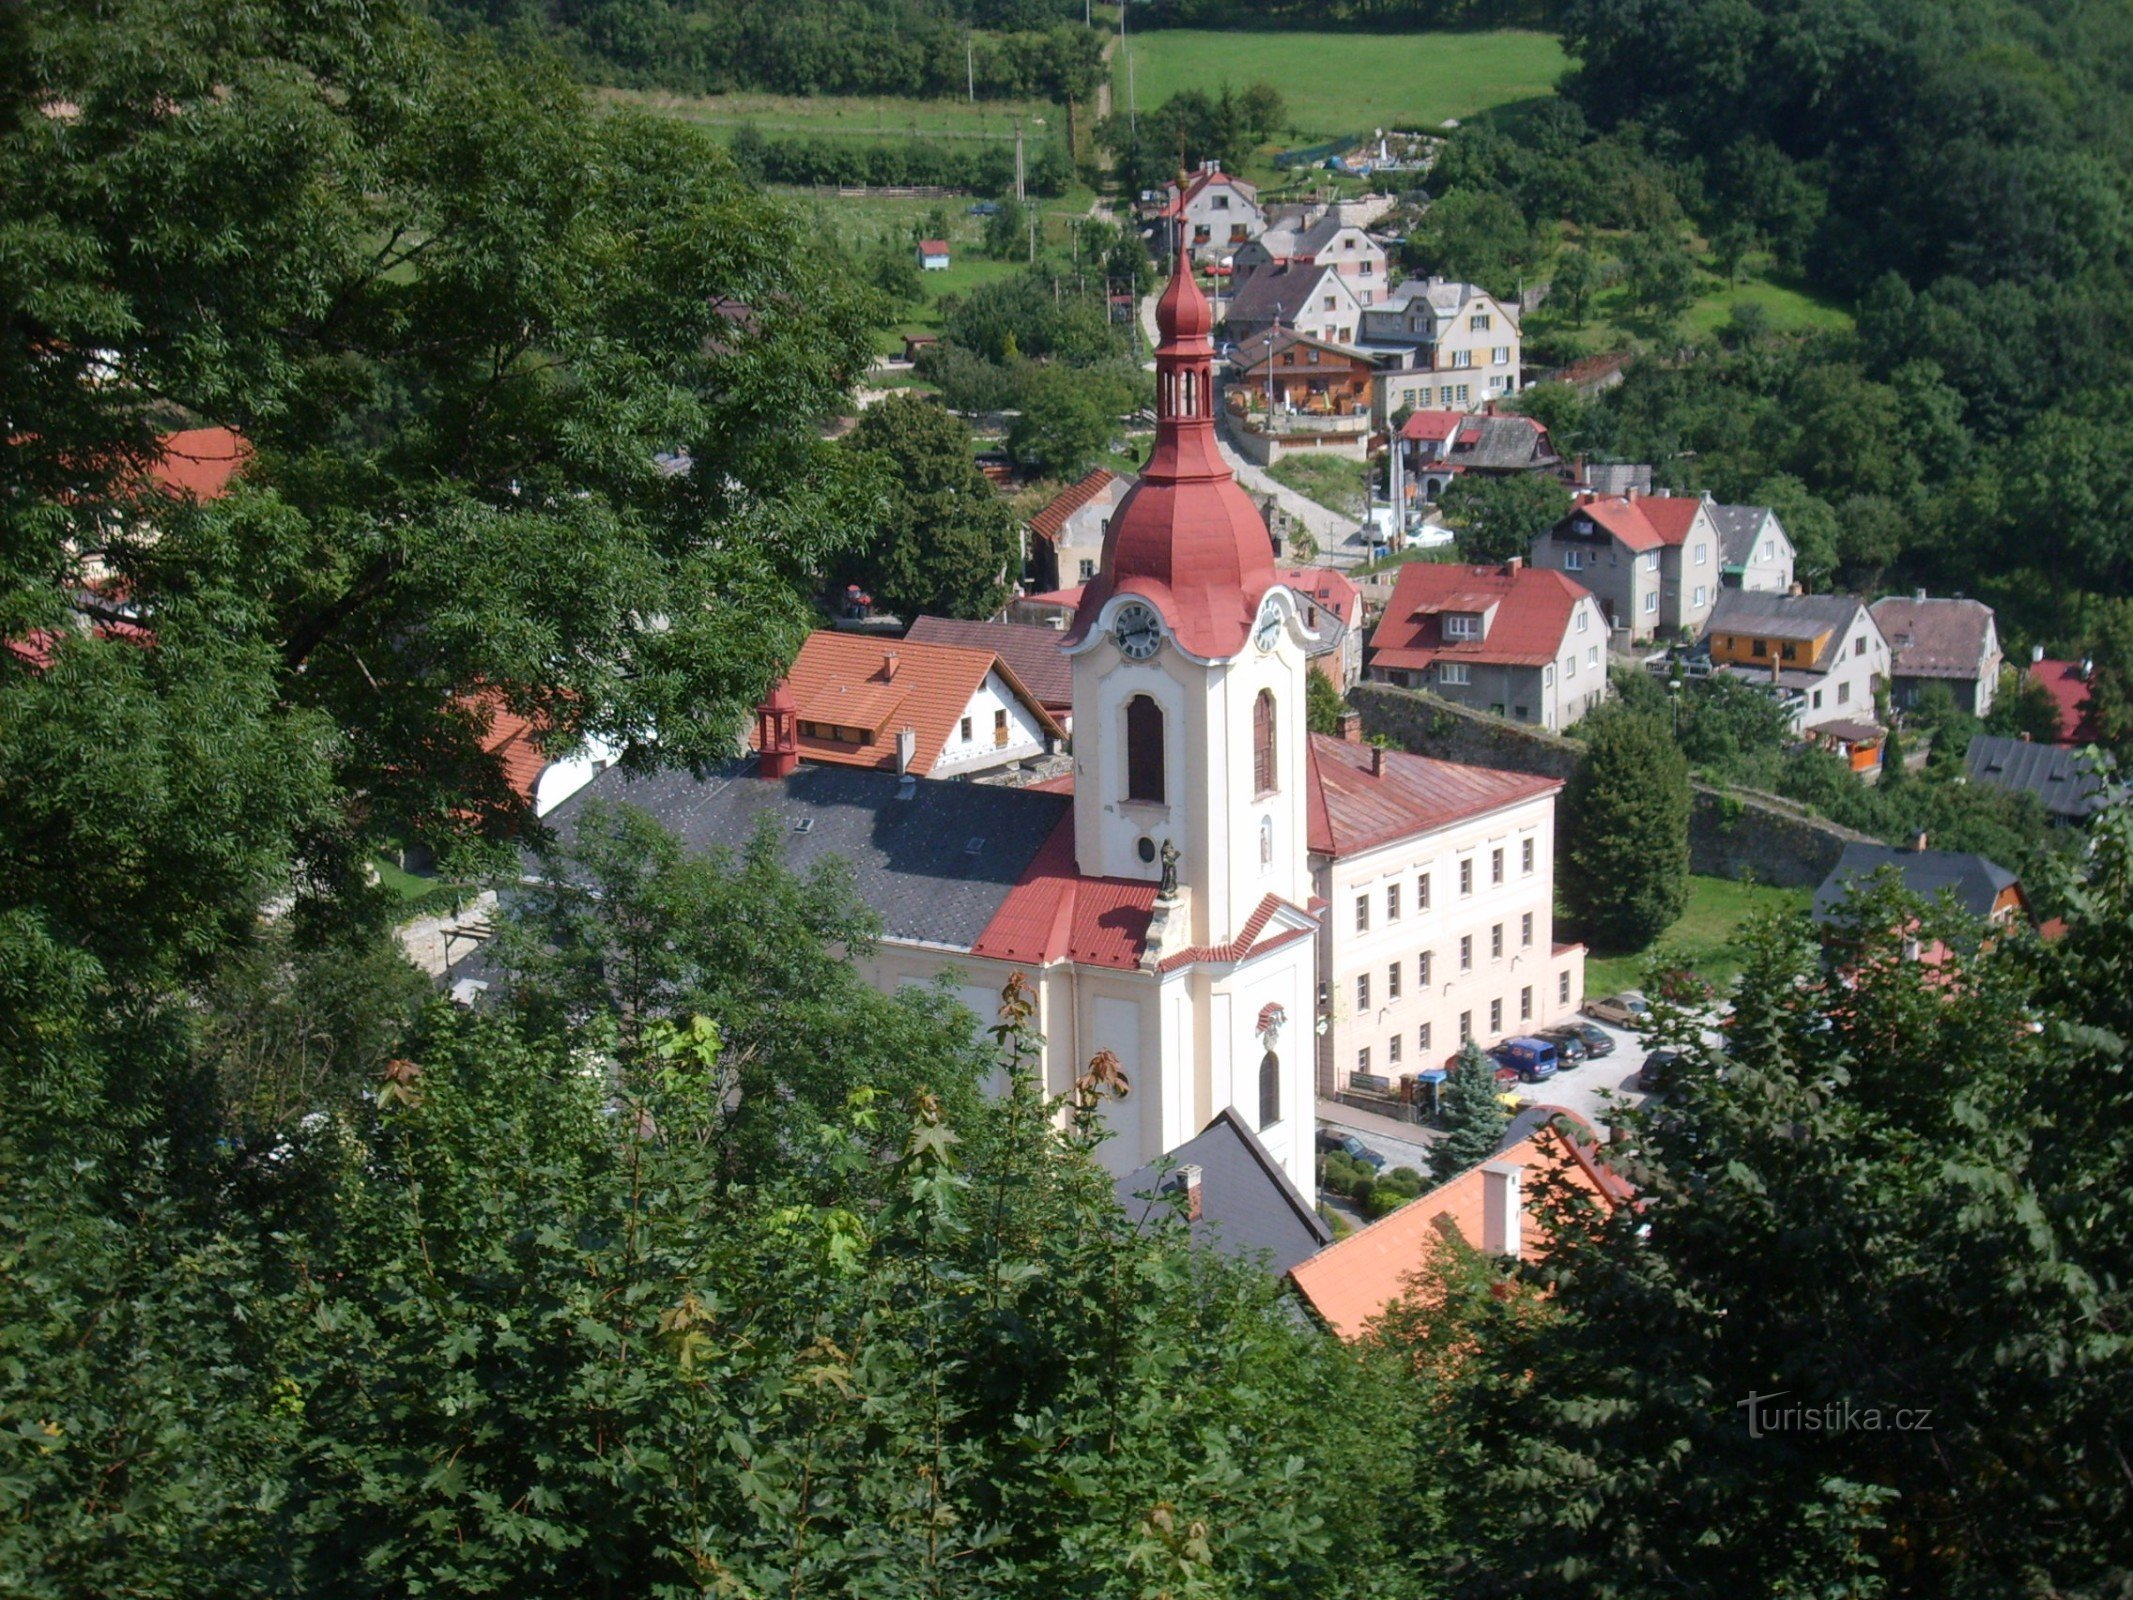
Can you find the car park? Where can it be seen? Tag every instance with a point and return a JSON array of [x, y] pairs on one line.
[[1629, 1009], [1598, 1041], [1570, 1047], [1331, 1139]]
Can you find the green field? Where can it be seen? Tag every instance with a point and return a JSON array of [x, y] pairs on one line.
[[1344, 83], [1704, 937], [872, 118]]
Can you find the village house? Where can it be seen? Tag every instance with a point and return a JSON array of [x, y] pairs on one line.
[[1951, 642], [1754, 551], [1822, 655], [1233, 1196], [2071, 785], [1296, 372], [1443, 343], [1440, 881], [1064, 542], [1029, 650], [1160, 900], [1977, 885], [1652, 561], [1437, 446], [1495, 1208], [1333, 616], [1316, 302], [1213, 214], [1514, 640], [893, 705]]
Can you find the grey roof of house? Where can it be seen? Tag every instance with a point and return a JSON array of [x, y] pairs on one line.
[[1032, 651], [1782, 616], [1248, 1207], [2066, 780], [1275, 294], [1619, 477], [1931, 638], [1976, 880], [1504, 444], [1737, 527], [911, 858], [1445, 295]]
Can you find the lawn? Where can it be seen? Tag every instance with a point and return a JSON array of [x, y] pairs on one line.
[[872, 118], [1334, 84], [1333, 481], [1704, 937], [1787, 304]]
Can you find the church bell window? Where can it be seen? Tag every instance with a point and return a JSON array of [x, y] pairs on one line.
[[1144, 749]]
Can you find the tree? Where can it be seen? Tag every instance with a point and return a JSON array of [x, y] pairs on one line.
[[2023, 708], [1007, 230], [1659, 272], [1500, 515], [1474, 1116], [947, 543], [1324, 706], [1626, 810], [1577, 275], [1478, 234], [1070, 416]]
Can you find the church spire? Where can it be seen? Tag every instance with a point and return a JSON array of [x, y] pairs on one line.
[[1184, 384]]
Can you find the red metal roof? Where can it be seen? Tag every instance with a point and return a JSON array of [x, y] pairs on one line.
[[933, 247], [1056, 914], [1331, 590], [1532, 616], [1433, 426], [1048, 523], [199, 462], [2069, 689], [1360, 797], [1641, 522]]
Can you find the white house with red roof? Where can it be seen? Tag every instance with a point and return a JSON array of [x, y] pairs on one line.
[[1064, 539], [1215, 211], [1514, 640], [1164, 901], [1653, 561], [1437, 446]]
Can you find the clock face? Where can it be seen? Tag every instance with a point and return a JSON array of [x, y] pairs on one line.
[[1268, 628], [1138, 630]]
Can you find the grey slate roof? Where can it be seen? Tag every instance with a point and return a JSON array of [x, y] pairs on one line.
[[1976, 880], [1274, 294], [1501, 444], [1782, 616], [2064, 779], [1248, 1206], [1737, 527], [1618, 477], [910, 859]]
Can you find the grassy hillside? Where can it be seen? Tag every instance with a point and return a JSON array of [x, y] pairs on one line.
[[873, 118], [1343, 83]]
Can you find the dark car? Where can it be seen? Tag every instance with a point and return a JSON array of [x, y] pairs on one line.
[[1349, 1145], [1658, 1070], [1598, 1041], [1570, 1046]]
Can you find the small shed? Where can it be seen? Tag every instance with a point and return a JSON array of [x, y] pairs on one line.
[[933, 255]]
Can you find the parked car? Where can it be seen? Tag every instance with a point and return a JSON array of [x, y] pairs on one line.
[[1534, 1060], [1658, 1070], [1349, 1145], [1625, 1010], [1570, 1047], [1598, 1041]]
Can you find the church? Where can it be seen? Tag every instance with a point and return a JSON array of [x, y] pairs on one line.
[[1167, 900]]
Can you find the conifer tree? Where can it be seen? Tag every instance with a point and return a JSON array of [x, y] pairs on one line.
[[1474, 1118]]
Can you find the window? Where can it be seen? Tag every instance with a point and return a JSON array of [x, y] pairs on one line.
[[1758, 647], [1703, 555], [1651, 602], [1844, 693], [1270, 1089], [1525, 1004], [1584, 616], [1263, 770], [1592, 653], [1392, 982], [1699, 594], [1770, 549], [1466, 952], [1651, 562], [1495, 1016], [1144, 749], [1547, 679], [1570, 665], [1817, 701], [1478, 322], [1444, 395], [1496, 941], [1525, 931], [966, 730], [1362, 1061], [1362, 991], [1422, 1039], [1466, 1027], [1574, 561], [1454, 672], [1421, 891], [1526, 851], [1462, 360], [1461, 625], [999, 728], [1311, 356], [1423, 963], [1562, 989], [1464, 393], [1500, 356], [1392, 902], [1392, 1049], [1362, 913], [1370, 270], [1496, 865], [1330, 303], [1088, 570], [1787, 652], [1466, 876], [1859, 645]]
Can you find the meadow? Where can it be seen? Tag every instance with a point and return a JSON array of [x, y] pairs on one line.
[[870, 117]]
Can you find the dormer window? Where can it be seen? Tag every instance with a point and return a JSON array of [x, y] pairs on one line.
[[1462, 625]]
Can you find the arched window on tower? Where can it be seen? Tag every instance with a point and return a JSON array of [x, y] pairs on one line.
[[1269, 1090], [1144, 749], [1263, 769]]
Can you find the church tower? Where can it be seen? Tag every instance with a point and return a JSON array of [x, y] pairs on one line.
[[1189, 670]]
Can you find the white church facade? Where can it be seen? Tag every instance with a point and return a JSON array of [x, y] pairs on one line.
[[1165, 901]]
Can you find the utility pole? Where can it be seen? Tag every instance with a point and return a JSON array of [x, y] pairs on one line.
[[970, 68], [1133, 105], [1019, 193], [1033, 237]]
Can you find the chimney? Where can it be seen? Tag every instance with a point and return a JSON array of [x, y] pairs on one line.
[[1777, 673], [1500, 1209], [1377, 761], [1795, 589], [1351, 727], [1186, 1181], [1513, 565], [2036, 654], [906, 746], [889, 664], [1918, 842], [1918, 594]]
